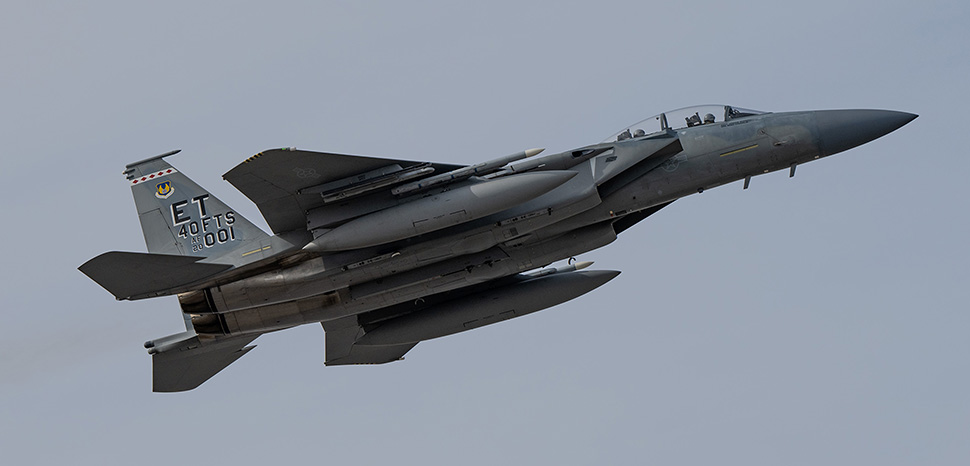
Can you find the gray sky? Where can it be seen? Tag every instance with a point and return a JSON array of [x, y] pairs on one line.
[[820, 319]]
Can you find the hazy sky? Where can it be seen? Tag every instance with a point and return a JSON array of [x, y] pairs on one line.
[[817, 320]]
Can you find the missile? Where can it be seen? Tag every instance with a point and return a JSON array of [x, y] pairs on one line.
[[560, 161], [568, 268], [462, 173], [488, 307], [434, 212], [367, 182]]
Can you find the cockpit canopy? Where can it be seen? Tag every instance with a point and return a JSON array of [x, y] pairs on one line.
[[683, 118]]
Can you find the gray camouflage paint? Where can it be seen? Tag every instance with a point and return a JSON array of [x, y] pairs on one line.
[[601, 190]]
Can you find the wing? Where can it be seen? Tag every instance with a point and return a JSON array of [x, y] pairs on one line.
[[386, 334], [629, 220], [287, 183], [184, 364]]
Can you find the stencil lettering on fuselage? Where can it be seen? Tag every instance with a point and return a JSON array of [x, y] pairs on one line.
[[208, 231]]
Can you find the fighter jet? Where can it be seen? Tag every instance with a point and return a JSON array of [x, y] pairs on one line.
[[387, 253]]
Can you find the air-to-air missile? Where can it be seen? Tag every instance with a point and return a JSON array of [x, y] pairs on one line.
[[479, 169], [388, 253]]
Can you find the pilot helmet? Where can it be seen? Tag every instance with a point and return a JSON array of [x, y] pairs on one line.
[[709, 118]]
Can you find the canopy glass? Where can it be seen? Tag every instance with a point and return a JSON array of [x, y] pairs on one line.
[[683, 118]]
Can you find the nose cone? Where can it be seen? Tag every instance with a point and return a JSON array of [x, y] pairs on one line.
[[841, 130]]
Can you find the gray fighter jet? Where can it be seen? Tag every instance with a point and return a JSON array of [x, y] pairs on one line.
[[387, 253]]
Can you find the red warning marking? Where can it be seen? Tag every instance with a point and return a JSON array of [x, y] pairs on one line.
[[154, 175]]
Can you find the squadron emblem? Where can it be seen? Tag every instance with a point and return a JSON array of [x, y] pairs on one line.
[[164, 189]]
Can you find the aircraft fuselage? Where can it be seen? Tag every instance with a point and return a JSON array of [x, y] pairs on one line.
[[575, 218]]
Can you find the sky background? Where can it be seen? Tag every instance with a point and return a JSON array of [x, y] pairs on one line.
[[817, 320]]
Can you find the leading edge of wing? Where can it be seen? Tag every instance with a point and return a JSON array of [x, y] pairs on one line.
[[273, 180]]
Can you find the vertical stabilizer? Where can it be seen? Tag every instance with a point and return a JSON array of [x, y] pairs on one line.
[[180, 217]]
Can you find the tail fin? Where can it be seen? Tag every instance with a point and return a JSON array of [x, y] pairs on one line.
[[180, 217]]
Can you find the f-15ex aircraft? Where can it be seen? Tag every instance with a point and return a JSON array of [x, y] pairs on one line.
[[388, 253]]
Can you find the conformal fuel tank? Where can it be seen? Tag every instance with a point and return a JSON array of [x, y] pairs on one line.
[[447, 208]]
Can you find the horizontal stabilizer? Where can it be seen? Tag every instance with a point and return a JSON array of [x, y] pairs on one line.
[[341, 349], [135, 275], [184, 365]]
